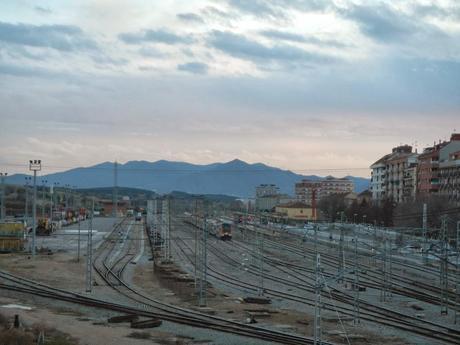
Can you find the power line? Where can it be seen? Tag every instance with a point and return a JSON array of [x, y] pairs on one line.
[[193, 170], [432, 213]]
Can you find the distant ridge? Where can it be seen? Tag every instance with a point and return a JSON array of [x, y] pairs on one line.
[[234, 178]]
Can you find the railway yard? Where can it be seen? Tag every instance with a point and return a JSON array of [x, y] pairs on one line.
[[170, 278]]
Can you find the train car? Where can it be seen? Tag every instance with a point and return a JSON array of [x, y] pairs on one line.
[[225, 231], [219, 228]]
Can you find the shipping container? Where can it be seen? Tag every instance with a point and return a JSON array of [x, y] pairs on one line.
[[11, 236]]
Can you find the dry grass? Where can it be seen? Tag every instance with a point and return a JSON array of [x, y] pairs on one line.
[[16, 337], [29, 335]]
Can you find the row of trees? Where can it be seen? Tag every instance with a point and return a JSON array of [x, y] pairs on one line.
[[388, 213], [335, 208]]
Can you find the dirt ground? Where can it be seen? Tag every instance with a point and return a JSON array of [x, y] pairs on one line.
[[181, 292], [63, 271]]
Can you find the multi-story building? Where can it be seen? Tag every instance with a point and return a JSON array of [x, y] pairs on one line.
[[266, 190], [305, 189], [410, 180], [267, 197], [394, 175], [332, 185], [428, 171], [449, 170], [378, 179]]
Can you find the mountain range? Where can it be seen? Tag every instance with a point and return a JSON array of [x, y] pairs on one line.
[[235, 178]]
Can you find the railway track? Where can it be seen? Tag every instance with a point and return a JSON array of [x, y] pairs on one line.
[[426, 270], [369, 311], [110, 273], [369, 277], [204, 320], [160, 310], [401, 284]]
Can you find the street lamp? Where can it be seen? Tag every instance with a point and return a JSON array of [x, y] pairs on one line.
[[34, 165], [3, 210]]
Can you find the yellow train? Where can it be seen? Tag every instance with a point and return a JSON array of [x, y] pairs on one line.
[[225, 231]]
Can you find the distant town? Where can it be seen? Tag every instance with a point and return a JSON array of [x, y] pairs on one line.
[[399, 179]]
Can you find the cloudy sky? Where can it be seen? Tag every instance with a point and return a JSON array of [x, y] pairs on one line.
[[306, 85]]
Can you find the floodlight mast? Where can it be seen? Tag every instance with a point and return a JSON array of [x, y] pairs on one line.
[[34, 165]]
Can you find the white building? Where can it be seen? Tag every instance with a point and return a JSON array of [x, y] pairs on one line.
[[266, 190], [378, 179], [394, 175]]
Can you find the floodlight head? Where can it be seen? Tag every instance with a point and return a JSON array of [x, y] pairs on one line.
[[35, 165]]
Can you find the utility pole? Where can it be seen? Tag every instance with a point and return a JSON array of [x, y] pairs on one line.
[[341, 258], [54, 199], [43, 197], [315, 227], [261, 262], [165, 227], [318, 287], [155, 229], [115, 189], [89, 252], [196, 240], [383, 291], [444, 282], [356, 316], [425, 235], [66, 195], [78, 243], [390, 268], [457, 287], [3, 210], [374, 246], [202, 252], [51, 204], [34, 165], [169, 228]]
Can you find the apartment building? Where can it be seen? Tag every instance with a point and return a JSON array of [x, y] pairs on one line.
[[428, 171], [267, 197], [449, 170], [266, 190], [305, 189], [332, 185], [378, 178], [394, 175]]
